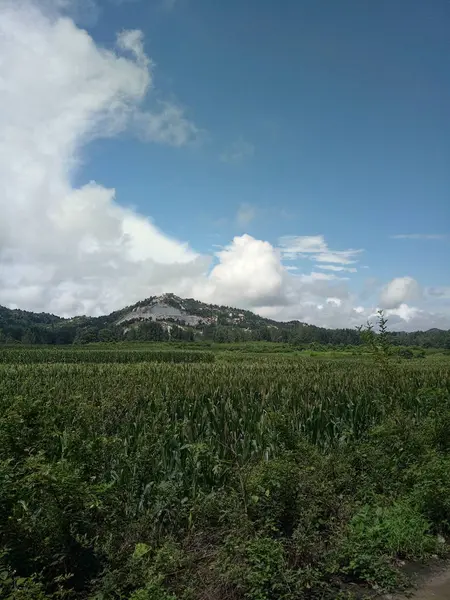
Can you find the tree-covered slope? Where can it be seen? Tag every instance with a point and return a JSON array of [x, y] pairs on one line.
[[168, 317]]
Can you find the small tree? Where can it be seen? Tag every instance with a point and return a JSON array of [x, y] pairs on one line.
[[380, 347], [378, 343]]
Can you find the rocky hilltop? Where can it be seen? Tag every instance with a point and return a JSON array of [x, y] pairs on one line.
[[169, 317]]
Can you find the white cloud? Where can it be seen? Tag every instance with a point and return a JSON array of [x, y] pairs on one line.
[[335, 301], [250, 274], [324, 313], [245, 214], [238, 152], [83, 12], [315, 286], [344, 257], [411, 318], [314, 276], [64, 249], [399, 291], [405, 312], [249, 271], [294, 245], [419, 236], [72, 250], [336, 268], [167, 125], [315, 248], [133, 41]]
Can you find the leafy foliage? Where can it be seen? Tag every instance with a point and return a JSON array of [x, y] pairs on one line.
[[261, 477]]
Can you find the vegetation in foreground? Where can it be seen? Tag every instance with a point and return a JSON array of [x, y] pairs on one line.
[[259, 479]]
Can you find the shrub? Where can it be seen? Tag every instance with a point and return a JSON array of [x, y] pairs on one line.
[[377, 534], [272, 490], [255, 567], [430, 485]]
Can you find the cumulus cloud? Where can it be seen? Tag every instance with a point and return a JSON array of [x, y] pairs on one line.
[[133, 41], [83, 12], [328, 312], [249, 271], [399, 291], [413, 318], [74, 250], [250, 274], [77, 250], [64, 249]]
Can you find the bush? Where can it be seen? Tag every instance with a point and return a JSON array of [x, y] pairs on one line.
[[272, 490], [378, 534], [14, 587], [430, 485], [398, 530], [52, 520], [256, 568], [380, 463]]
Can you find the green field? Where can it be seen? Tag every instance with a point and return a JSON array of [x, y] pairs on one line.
[[182, 474]]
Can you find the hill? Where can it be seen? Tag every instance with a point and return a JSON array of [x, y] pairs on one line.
[[169, 317]]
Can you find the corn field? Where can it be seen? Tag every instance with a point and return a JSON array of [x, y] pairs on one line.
[[86, 436], [195, 420], [82, 356]]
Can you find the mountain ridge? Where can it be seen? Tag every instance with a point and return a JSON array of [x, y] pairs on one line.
[[169, 317]]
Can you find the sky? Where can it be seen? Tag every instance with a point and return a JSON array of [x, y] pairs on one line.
[[291, 158]]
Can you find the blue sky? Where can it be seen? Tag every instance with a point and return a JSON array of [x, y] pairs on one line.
[[345, 109], [302, 118]]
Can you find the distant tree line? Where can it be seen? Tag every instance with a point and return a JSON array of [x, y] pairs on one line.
[[24, 327]]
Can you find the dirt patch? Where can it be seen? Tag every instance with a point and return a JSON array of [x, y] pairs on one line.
[[435, 586]]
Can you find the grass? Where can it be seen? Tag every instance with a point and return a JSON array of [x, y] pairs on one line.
[[259, 475]]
